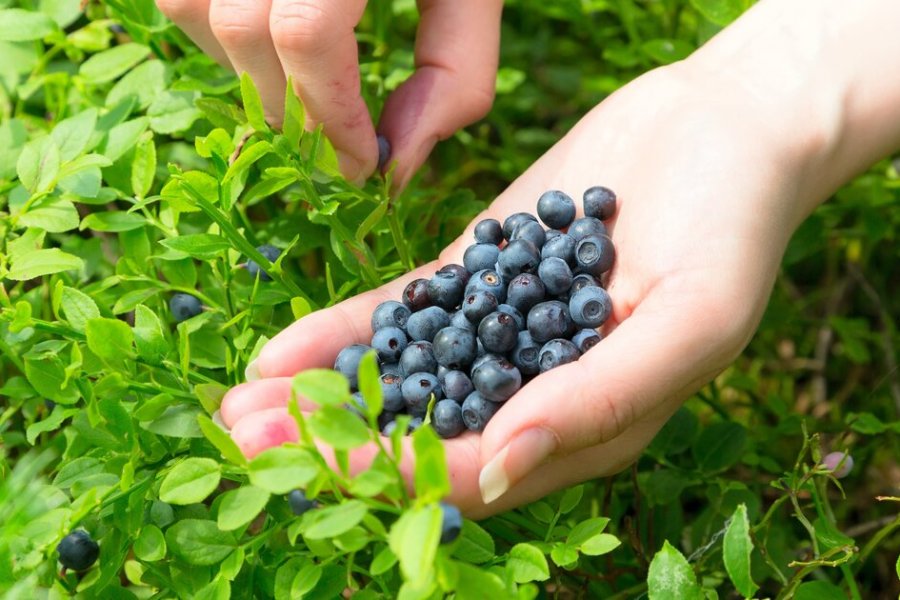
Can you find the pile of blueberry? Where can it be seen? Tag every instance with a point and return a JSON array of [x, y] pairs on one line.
[[525, 300]]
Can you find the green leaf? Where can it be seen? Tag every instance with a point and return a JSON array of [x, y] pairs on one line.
[[322, 386], [719, 446], [179, 421], [414, 539], [199, 541], [148, 335], [571, 498], [602, 543], [586, 530], [248, 156], [527, 563], [384, 560], [474, 582], [73, 134], [114, 221], [819, 590], [79, 308], [190, 481], [431, 478], [671, 577], [217, 589], [736, 550], [253, 106], [331, 521], [294, 116], [203, 246], [475, 545], [282, 469], [563, 555], [38, 165], [19, 25], [143, 166], [53, 214], [51, 423], [340, 428], [369, 377], [221, 440], [720, 12], [150, 544], [109, 338], [173, 112], [239, 507], [43, 262], [111, 64]]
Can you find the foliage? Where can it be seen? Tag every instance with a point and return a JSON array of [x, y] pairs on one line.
[[132, 167]]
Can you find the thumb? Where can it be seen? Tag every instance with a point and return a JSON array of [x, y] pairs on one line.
[[653, 360]]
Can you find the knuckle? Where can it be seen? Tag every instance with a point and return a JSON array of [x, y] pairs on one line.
[[301, 27], [237, 23], [177, 10]]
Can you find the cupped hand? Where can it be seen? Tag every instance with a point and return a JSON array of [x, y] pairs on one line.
[[313, 43], [709, 194]]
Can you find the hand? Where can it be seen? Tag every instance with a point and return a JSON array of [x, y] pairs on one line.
[[709, 194], [313, 43]]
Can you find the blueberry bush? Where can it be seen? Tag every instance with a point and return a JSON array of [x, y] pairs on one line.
[[140, 185]]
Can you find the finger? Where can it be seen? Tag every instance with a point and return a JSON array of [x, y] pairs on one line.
[[242, 29], [192, 17], [457, 48], [255, 396], [258, 431], [315, 43]]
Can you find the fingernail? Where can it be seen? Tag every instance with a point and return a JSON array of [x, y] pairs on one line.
[[519, 457], [251, 373], [384, 151], [349, 166]]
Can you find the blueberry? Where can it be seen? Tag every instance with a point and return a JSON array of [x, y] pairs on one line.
[[460, 271], [556, 209], [498, 332], [418, 357], [391, 368], [483, 358], [271, 253], [385, 417], [497, 380], [479, 257], [557, 352], [425, 324], [585, 226], [583, 280], [451, 522], [551, 234], [300, 503], [347, 362], [477, 411], [415, 295], [590, 307], [384, 151], [556, 275], [524, 291], [487, 281], [839, 463], [550, 320], [599, 202], [389, 343], [454, 348], [388, 428], [415, 423], [513, 221], [392, 392], [446, 419], [514, 313], [519, 256], [525, 354], [531, 231], [458, 319], [184, 306], [77, 551], [390, 314], [417, 391], [562, 246], [595, 254], [489, 231], [441, 371], [358, 406], [585, 339], [456, 385], [478, 305], [445, 289]]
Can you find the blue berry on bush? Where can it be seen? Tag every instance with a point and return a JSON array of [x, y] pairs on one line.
[[454, 348], [478, 305], [477, 411], [418, 358], [487, 280], [347, 362], [497, 380], [556, 275], [585, 226], [392, 392], [585, 339], [595, 254], [271, 253], [479, 257], [513, 221], [498, 332], [417, 391], [390, 314], [446, 419], [489, 231], [557, 352], [556, 209], [451, 523], [456, 385], [599, 202], [590, 307], [77, 551], [389, 343], [519, 256], [415, 295], [550, 320], [424, 325], [300, 503], [184, 306]]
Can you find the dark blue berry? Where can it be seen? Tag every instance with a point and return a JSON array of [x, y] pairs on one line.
[[489, 231], [384, 151], [446, 419], [562, 246], [479, 257], [498, 332], [456, 385], [271, 253], [599, 202], [585, 339], [497, 380], [390, 313], [417, 391], [585, 226], [347, 362], [478, 305], [77, 551], [458, 270], [595, 254], [300, 503], [556, 275], [424, 325], [184, 306], [483, 358], [415, 295], [519, 256], [477, 411], [391, 369], [583, 280], [551, 234], [389, 343], [446, 289], [590, 307], [524, 291], [385, 417], [415, 423], [388, 428], [451, 523], [418, 357], [458, 319], [556, 209], [525, 354], [454, 348], [557, 352], [392, 392], [531, 231], [513, 221], [514, 313], [550, 320], [487, 281]]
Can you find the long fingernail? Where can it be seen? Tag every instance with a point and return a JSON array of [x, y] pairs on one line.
[[519, 457], [251, 373]]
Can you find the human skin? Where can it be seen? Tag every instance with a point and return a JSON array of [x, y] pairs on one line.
[[312, 43], [716, 161]]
